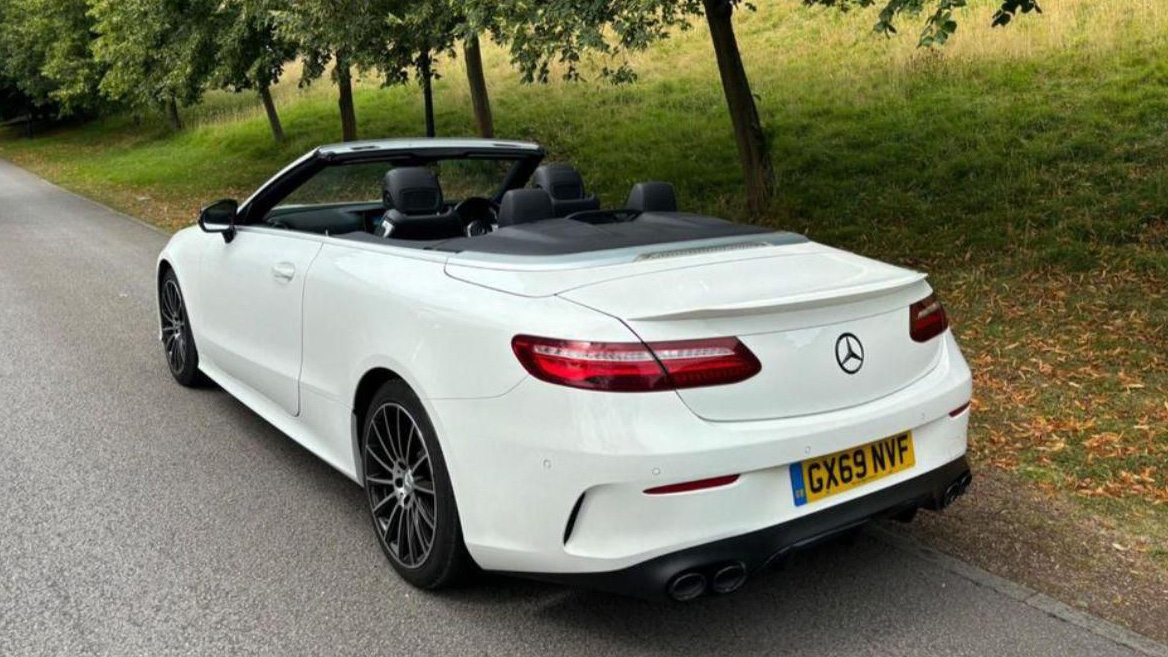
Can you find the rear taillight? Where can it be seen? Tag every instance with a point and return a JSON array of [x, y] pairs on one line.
[[636, 366], [927, 319]]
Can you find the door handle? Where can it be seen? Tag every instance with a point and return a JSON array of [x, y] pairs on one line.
[[284, 271]]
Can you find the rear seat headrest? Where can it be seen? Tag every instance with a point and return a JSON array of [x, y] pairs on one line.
[[521, 206], [560, 181], [654, 196], [566, 188], [412, 190]]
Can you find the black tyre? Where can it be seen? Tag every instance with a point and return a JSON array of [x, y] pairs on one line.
[[177, 341], [411, 502]]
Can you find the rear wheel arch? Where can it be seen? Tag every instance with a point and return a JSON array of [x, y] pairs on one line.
[[368, 386], [401, 463]]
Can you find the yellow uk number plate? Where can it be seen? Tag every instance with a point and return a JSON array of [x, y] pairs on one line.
[[824, 476]]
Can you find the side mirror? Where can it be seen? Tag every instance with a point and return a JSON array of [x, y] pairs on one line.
[[219, 217]]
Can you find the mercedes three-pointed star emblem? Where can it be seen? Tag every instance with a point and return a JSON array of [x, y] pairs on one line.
[[849, 353]]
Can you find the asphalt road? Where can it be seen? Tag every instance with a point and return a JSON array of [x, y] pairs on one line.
[[141, 518]]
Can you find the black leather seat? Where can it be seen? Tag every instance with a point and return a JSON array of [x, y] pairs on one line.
[[652, 196], [523, 206], [414, 208], [566, 189]]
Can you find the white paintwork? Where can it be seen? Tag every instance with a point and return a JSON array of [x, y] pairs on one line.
[[253, 290], [521, 451]]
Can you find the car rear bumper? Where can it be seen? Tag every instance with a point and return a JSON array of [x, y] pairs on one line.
[[756, 550], [552, 480]]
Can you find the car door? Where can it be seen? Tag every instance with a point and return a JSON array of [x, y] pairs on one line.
[[252, 296]]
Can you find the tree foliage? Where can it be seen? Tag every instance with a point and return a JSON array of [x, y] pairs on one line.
[[352, 29], [46, 54], [540, 34], [159, 53], [940, 23], [251, 50], [347, 33]]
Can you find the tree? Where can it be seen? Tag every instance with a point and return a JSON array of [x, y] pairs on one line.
[[45, 54], [477, 82], [348, 33], [21, 60], [540, 33], [418, 32], [753, 153], [159, 53], [253, 52], [474, 20]]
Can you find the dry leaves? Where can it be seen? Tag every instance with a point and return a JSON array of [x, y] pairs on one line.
[[1070, 377]]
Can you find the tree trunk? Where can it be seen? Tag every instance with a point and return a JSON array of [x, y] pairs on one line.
[[344, 77], [427, 92], [752, 146], [273, 117], [478, 87], [28, 121], [172, 117]]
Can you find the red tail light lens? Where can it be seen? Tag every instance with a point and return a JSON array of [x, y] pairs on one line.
[[636, 366], [617, 366], [698, 363], [927, 319]]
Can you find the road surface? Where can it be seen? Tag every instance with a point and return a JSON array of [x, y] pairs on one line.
[[141, 518]]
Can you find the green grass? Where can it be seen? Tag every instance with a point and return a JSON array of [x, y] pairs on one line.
[[1026, 168]]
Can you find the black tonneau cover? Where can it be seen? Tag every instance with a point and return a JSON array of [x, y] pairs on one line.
[[567, 236]]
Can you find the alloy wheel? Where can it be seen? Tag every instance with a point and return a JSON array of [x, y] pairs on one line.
[[174, 322], [399, 481]]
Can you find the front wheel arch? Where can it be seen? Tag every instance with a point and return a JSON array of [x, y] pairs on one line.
[[164, 268]]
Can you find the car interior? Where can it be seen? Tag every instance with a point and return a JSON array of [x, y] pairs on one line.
[[413, 207]]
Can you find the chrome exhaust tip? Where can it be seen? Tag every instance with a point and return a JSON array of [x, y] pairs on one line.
[[687, 586], [729, 578], [964, 481], [956, 489], [950, 496]]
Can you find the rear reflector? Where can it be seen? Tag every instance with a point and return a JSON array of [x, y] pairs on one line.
[[636, 366], [700, 484], [927, 319]]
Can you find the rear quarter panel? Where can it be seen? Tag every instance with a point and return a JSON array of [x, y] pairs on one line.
[[367, 306]]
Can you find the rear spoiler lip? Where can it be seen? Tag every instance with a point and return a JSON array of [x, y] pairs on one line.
[[816, 299]]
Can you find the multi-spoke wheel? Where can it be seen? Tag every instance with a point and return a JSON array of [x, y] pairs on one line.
[[408, 488], [177, 341]]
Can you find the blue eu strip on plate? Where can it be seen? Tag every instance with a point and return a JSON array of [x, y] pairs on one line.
[[797, 484]]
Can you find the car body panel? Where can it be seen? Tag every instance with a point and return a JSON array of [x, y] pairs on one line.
[[620, 445], [254, 289], [523, 453]]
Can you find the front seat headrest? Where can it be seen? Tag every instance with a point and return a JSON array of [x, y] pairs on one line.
[[566, 188], [412, 190], [652, 197], [522, 206]]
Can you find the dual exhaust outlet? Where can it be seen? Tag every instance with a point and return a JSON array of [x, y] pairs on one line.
[[690, 584], [956, 489], [729, 577]]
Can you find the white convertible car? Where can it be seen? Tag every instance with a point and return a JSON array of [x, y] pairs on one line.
[[636, 399]]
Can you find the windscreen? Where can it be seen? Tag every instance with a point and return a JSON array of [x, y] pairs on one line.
[[361, 182]]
